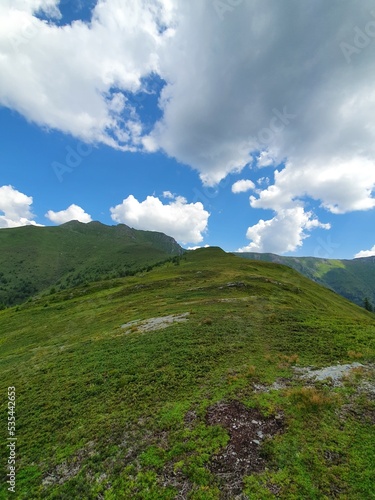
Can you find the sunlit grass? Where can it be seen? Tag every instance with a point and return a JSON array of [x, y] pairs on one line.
[[104, 412]]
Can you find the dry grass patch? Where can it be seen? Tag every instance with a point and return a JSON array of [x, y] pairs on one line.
[[355, 355], [309, 398]]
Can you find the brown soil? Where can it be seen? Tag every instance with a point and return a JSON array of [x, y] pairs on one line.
[[242, 456]]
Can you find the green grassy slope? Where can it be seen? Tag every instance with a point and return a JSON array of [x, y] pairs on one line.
[[35, 258], [113, 413], [353, 279]]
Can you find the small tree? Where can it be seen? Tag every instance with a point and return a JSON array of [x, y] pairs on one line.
[[367, 305]]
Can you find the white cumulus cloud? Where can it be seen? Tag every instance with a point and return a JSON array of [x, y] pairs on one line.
[[249, 84], [283, 233], [186, 222], [197, 246], [74, 77], [73, 212], [16, 208], [341, 185], [168, 194], [242, 186], [365, 253]]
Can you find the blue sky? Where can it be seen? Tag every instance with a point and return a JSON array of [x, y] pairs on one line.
[[151, 113]]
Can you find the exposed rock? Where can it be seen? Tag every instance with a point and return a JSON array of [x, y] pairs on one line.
[[152, 324], [335, 373]]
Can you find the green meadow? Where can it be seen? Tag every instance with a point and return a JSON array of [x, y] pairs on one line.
[[107, 412]]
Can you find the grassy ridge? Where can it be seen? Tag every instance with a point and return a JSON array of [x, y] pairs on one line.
[[104, 413], [353, 279], [33, 259]]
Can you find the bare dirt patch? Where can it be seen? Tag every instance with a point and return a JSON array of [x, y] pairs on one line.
[[68, 469], [279, 384], [247, 429]]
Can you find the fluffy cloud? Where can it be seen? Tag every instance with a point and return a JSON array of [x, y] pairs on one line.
[[31, 6], [284, 233], [242, 186], [16, 208], [74, 212], [168, 194], [341, 185], [265, 159], [197, 246], [246, 84], [365, 253], [74, 78], [186, 222], [274, 93], [268, 86]]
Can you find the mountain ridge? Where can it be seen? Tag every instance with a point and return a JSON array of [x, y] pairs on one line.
[[354, 279], [34, 259]]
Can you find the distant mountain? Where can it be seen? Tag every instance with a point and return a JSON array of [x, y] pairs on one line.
[[33, 259], [353, 279]]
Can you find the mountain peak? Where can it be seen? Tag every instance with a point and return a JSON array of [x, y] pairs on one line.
[[74, 253]]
